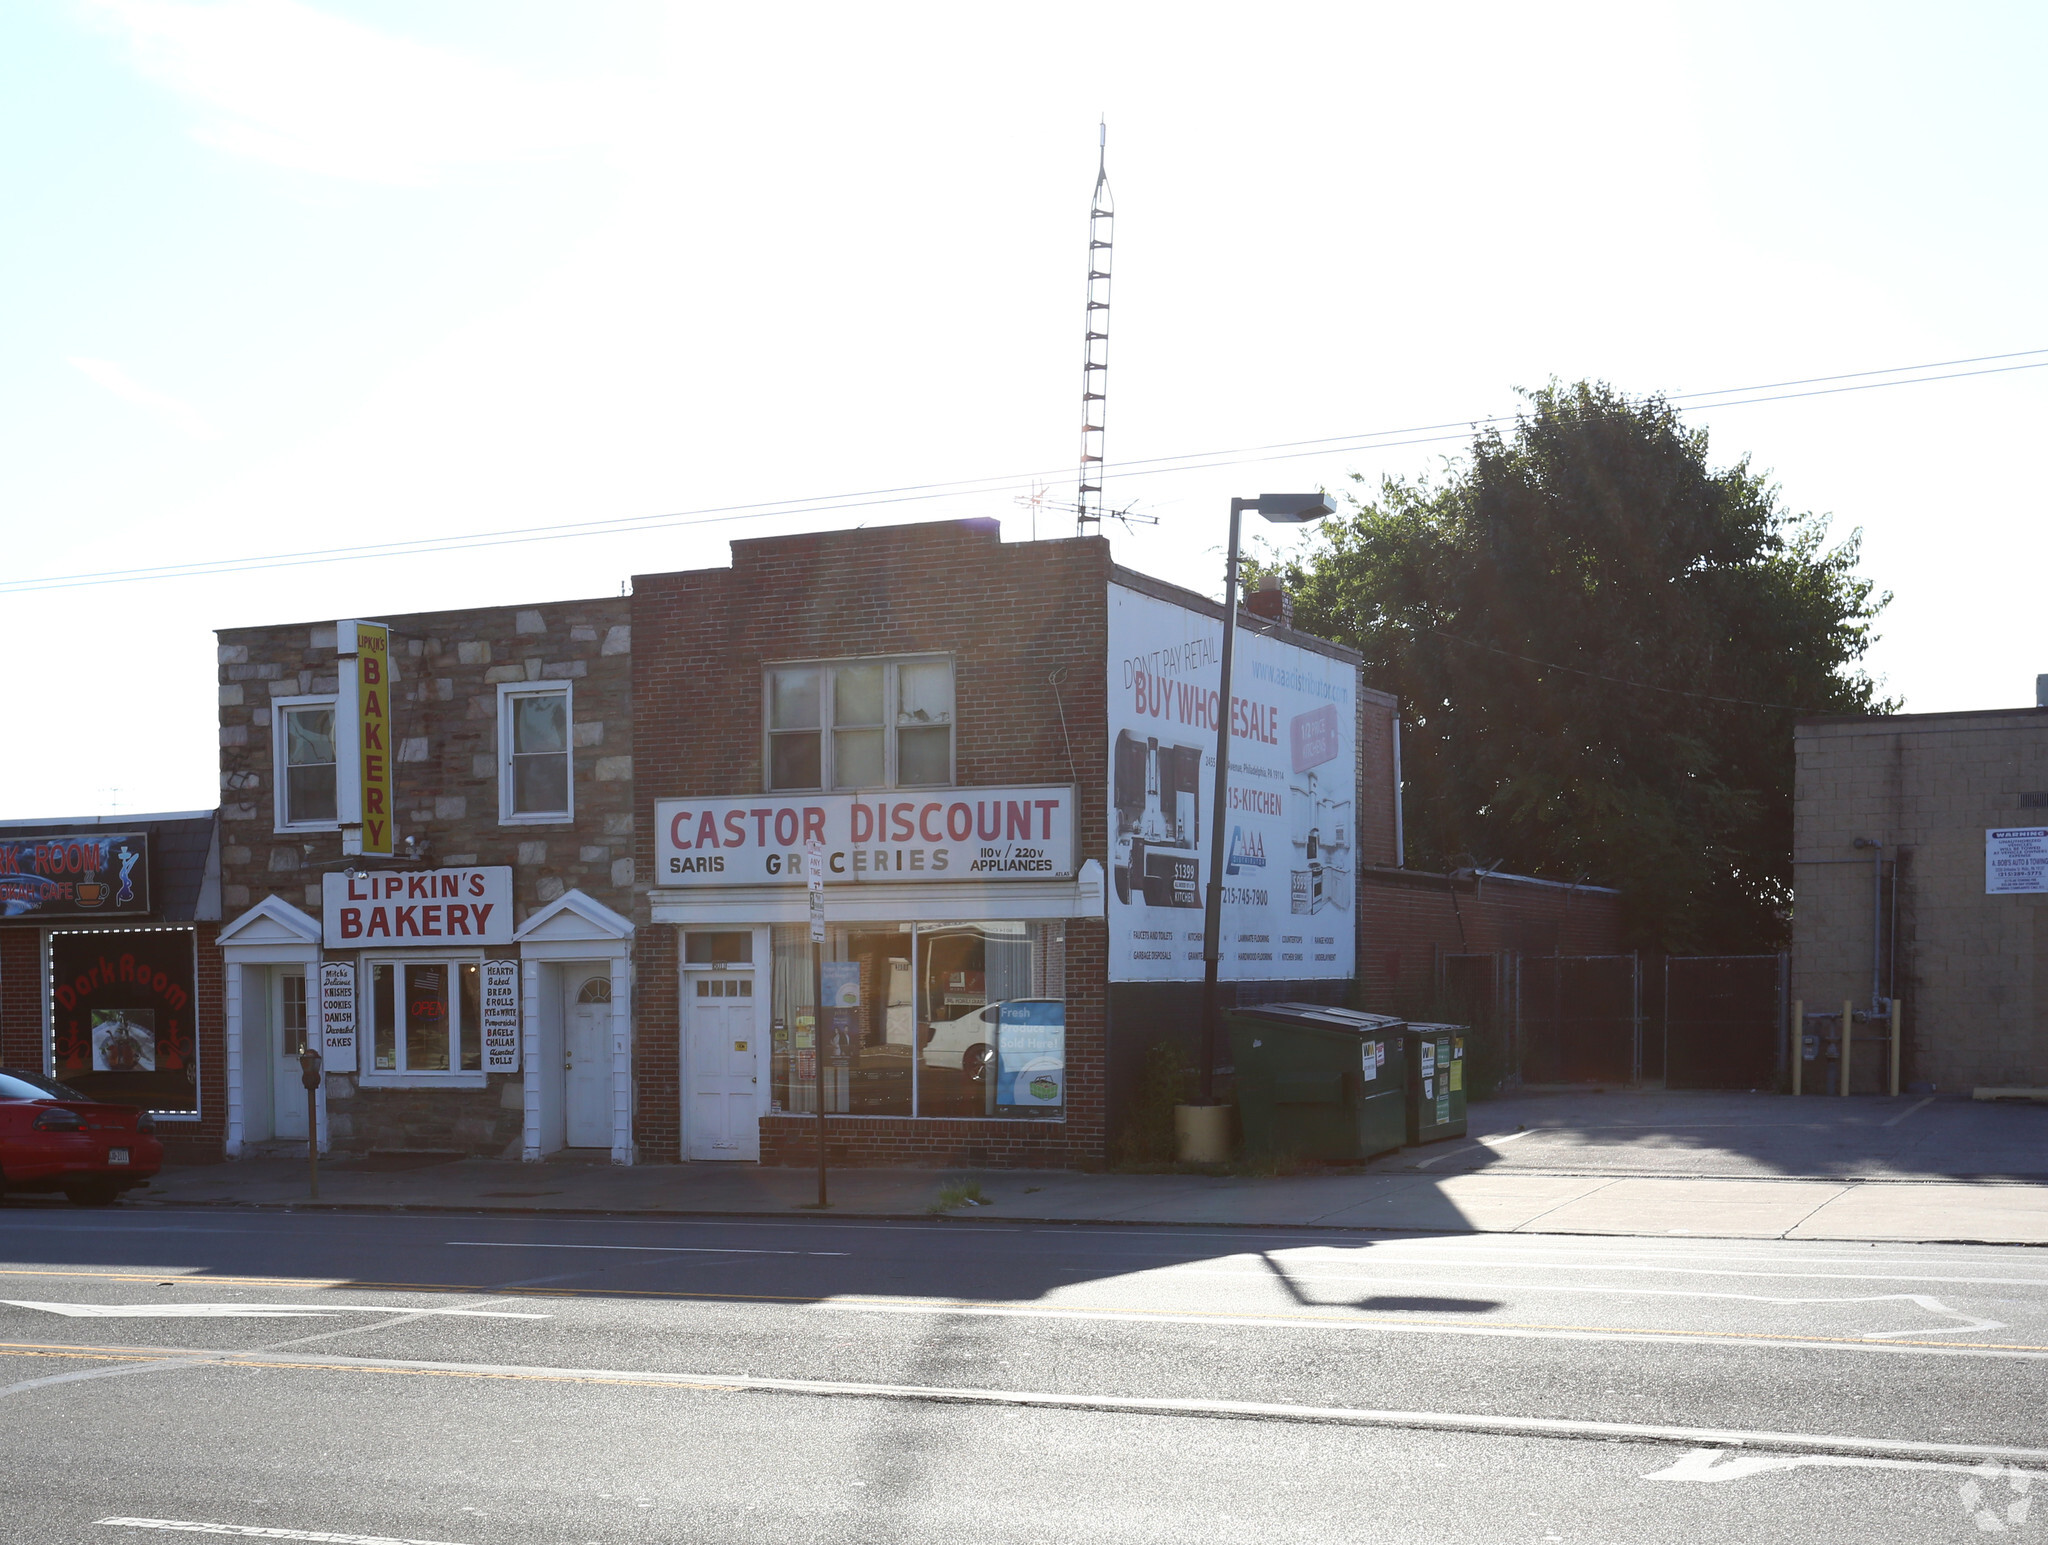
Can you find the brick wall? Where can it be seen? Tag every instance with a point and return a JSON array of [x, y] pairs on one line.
[[1011, 617], [21, 998], [444, 709], [1971, 968], [200, 1142], [1409, 919]]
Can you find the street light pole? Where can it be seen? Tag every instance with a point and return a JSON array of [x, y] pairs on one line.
[[1212, 915], [1282, 509]]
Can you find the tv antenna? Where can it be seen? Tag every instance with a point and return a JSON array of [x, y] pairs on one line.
[[1095, 344]]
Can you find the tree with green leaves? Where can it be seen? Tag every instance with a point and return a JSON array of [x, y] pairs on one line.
[[1600, 644]]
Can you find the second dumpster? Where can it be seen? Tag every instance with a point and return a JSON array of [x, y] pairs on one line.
[[1436, 1081], [1319, 1082]]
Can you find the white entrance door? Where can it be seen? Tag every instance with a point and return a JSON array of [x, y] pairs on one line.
[[587, 1060], [718, 1007], [287, 1039]]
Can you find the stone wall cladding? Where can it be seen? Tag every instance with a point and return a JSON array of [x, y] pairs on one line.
[[449, 665], [1010, 615], [1972, 969]]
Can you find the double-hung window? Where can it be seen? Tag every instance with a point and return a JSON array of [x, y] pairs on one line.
[[426, 1017], [861, 724], [536, 783], [303, 763]]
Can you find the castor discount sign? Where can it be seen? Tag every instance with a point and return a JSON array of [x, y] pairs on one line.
[[1290, 835], [980, 834]]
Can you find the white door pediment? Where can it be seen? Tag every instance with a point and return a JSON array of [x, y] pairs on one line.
[[272, 921]]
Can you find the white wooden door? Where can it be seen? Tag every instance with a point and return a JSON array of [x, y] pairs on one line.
[[287, 1038], [587, 1060], [724, 1065]]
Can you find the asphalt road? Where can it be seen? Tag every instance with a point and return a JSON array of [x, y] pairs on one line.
[[479, 1380]]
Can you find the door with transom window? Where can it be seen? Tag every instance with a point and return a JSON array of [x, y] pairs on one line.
[[719, 1010]]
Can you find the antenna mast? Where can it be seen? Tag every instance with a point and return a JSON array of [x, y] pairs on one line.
[[1095, 346]]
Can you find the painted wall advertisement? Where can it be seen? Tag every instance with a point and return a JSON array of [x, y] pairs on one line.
[[1291, 836], [82, 874], [2016, 861], [122, 1016]]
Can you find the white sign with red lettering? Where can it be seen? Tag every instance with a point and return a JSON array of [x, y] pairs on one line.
[[400, 909], [938, 834]]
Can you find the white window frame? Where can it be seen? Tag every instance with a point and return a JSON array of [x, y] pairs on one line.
[[889, 726], [280, 787], [373, 1077], [507, 692]]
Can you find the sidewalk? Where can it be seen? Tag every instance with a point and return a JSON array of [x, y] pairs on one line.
[[1714, 1166]]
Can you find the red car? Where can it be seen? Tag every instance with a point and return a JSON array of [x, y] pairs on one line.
[[55, 1139]]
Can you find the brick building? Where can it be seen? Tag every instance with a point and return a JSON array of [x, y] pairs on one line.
[[109, 978], [1917, 853], [1001, 748], [510, 891], [593, 930]]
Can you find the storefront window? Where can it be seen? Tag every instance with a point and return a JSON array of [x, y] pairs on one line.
[[930, 1019], [122, 1016], [427, 1017]]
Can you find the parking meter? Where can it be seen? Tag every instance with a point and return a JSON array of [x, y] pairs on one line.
[[309, 1075]]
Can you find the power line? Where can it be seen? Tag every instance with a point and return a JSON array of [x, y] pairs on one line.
[[1189, 461]]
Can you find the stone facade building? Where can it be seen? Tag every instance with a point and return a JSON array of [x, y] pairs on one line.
[[1898, 826], [512, 750]]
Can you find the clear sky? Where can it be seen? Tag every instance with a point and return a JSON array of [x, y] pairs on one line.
[[283, 276]]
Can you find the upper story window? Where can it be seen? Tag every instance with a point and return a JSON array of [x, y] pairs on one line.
[[534, 768], [302, 746], [861, 724]]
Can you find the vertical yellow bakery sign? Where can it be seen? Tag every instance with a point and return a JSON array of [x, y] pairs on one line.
[[373, 719], [363, 738]]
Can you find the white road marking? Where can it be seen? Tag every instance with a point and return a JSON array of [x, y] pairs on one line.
[[1359, 1280], [1624, 1268], [242, 1311], [1493, 1141], [1312, 1322], [1350, 1416], [521, 1244], [1902, 1115], [1712, 1465], [252, 1531]]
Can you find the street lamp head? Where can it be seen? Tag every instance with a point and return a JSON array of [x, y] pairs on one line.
[[1293, 509]]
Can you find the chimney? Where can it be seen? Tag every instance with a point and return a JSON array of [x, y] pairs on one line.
[[1270, 601], [2041, 691]]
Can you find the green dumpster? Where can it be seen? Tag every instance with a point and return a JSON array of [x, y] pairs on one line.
[[1319, 1082], [1436, 1081]]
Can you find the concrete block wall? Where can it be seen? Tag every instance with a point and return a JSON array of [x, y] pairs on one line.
[[1971, 968], [449, 665]]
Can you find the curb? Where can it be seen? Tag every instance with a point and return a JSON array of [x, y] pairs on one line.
[[796, 1213]]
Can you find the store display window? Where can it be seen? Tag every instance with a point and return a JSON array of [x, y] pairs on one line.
[[925, 1019], [122, 1017]]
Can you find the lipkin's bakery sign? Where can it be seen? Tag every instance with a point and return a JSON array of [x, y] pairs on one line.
[[938, 834], [380, 909]]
